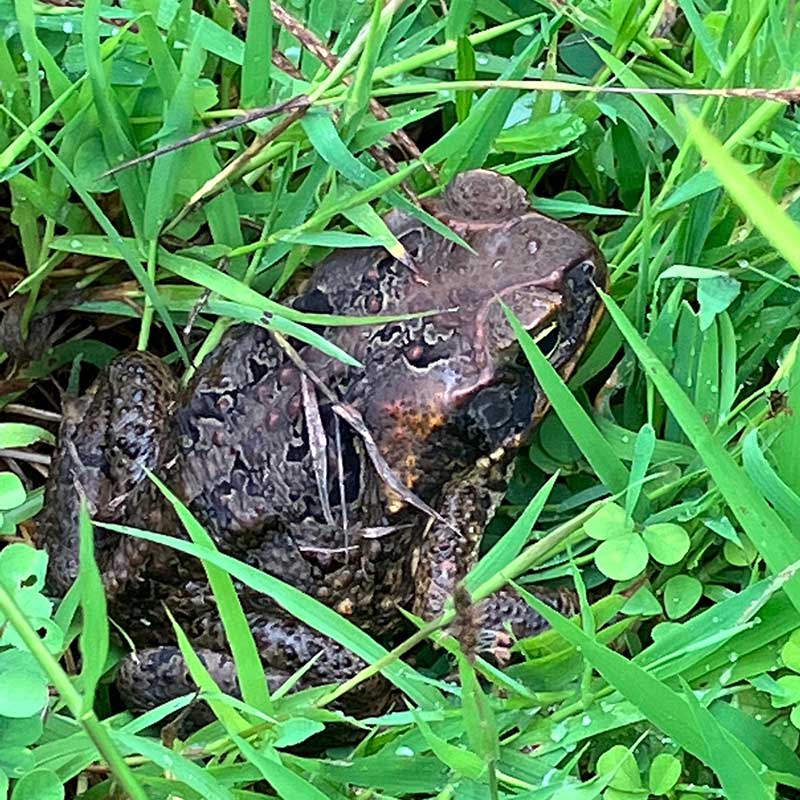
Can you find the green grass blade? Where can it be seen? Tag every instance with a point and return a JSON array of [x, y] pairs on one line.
[[512, 542], [250, 670], [94, 633], [228, 716], [185, 772], [786, 502], [288, 784], [773, 222], [257, 63], [576, 420]]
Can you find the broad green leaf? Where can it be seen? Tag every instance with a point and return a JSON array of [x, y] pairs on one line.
[[681, 595], [40, 784], [622, 557], [667, 542], [715, 296], [619, 761], [12, 491], [20, 434], [23, 690], [608, 522]]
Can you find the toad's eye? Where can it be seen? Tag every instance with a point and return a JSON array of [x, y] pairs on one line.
[[548, 340]]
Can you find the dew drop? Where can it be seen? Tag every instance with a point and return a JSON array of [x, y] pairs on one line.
[[404, 751], [559, 732], [67, 27], [533, 247]]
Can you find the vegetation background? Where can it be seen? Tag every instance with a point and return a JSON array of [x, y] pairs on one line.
[[666, 130]]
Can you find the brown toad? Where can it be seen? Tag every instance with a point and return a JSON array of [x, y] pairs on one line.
[[281, 482]]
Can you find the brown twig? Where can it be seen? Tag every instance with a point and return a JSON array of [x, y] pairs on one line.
[[257, 145], [294, 104]]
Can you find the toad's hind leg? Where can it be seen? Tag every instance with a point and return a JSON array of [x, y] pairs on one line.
[[109, 438], [449, 551], [155, 675]]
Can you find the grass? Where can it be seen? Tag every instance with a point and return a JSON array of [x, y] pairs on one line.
[[670, 456]]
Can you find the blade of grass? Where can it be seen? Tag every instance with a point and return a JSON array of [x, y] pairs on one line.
[[512, 542], [774, 223], [576, 420], [232, 721], [94, 631], [185, 772], [786, 502], [257, 63], [289, 785], [250, 670]]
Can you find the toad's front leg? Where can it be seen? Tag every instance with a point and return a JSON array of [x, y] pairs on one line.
[[449, 551]]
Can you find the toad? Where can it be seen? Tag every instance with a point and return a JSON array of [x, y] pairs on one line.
[[282, 481]]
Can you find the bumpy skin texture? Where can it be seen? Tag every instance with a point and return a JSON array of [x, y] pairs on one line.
[[448, 400]]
